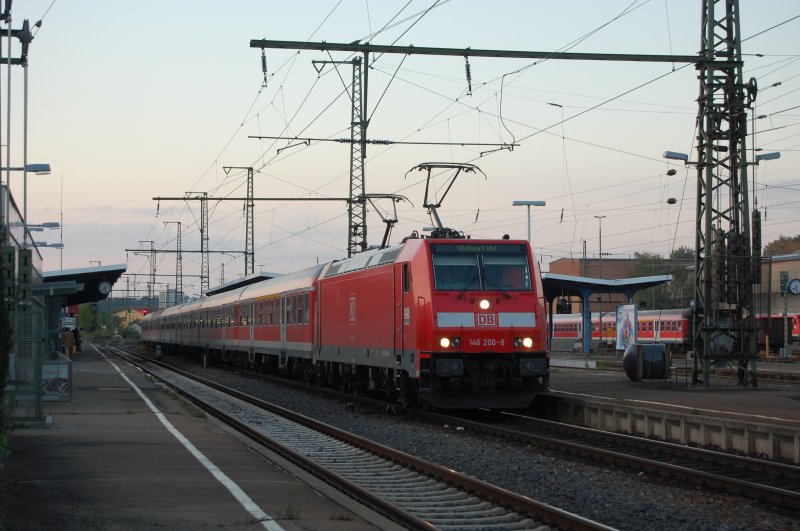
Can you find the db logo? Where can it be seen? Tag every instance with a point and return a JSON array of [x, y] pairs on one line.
[[487, 319], [352, 308]]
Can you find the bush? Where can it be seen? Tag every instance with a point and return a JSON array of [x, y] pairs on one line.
[[129, 333]]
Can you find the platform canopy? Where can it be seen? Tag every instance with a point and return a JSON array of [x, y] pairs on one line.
[[556, 285], [564, 285], [79, 286]]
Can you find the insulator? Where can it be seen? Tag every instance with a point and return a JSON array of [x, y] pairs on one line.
[[264, 66], [469, 75], [756, 229]]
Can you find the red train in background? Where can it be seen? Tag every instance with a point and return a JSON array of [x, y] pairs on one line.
[[671, 327], [454, 323]]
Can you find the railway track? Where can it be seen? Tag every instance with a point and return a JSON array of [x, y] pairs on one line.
[[415, 493], [759, 479]]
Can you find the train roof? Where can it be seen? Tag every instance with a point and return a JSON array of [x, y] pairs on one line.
[[299, 280], [365, 260]]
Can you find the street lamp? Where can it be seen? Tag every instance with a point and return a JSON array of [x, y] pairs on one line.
[[39, 227], [529, 204], [768, 156], [57, 245], [38, 169], [674, 155], [600, 234]]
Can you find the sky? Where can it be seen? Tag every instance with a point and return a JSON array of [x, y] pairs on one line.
[[130, 101]]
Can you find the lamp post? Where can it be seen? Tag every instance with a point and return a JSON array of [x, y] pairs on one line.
[[56, 245], [600, 244], [38, 169], [222, 267], [600, 236], [529, 204], [39, 227]]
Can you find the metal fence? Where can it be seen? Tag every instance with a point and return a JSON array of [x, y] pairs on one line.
[[23, 391]]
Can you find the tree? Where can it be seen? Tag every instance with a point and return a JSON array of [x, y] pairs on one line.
[[783, 245], [681, 266], [87, 319], [675, 294], [648, 265]]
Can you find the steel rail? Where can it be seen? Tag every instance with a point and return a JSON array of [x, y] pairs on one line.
[[510, 500], [585, 441]]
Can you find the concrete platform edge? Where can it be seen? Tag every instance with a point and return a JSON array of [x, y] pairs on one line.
[[750, 438]]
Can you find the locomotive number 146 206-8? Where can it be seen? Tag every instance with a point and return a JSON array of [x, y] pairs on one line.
[[487, 342]]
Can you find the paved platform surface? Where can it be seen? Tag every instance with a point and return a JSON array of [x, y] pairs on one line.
[[769, 403], [108, 462]]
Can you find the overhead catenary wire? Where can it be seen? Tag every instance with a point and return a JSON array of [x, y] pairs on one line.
[[482, 113]]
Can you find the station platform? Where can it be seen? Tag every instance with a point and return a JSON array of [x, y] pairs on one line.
[[763, 421], [105, 460]]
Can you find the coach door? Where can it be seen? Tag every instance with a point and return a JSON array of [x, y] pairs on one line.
[[251, 322], [283, 320], [402, 309]]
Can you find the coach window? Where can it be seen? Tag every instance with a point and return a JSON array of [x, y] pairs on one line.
[[288, 312], [306, 309]]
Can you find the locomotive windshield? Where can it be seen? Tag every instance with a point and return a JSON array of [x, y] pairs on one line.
[[475, 267]]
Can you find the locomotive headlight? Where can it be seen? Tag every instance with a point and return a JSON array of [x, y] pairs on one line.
[[447, 342], [527, 342], [484, 304], [520, 342]]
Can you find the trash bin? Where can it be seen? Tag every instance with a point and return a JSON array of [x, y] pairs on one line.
[[642, 362]]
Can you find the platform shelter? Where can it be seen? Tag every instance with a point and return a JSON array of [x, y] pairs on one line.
[[556, 286]]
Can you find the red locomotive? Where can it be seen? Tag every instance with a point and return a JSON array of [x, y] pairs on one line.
[[454, 323]]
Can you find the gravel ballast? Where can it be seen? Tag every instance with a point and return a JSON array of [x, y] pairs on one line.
[[612, 496]]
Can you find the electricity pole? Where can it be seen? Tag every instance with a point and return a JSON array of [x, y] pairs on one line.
[[249, 244], [152, 283], [178, 265], [724, 324]]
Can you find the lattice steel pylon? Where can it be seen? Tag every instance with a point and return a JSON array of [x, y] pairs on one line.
[[249, 229], [357, 205], [724, 324], [178, 265], [249, 244], [203, 197]]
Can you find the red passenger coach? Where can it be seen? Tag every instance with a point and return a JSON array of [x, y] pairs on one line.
[[454, 323]]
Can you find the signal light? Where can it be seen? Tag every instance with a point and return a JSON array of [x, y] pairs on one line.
[[144, 312]]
